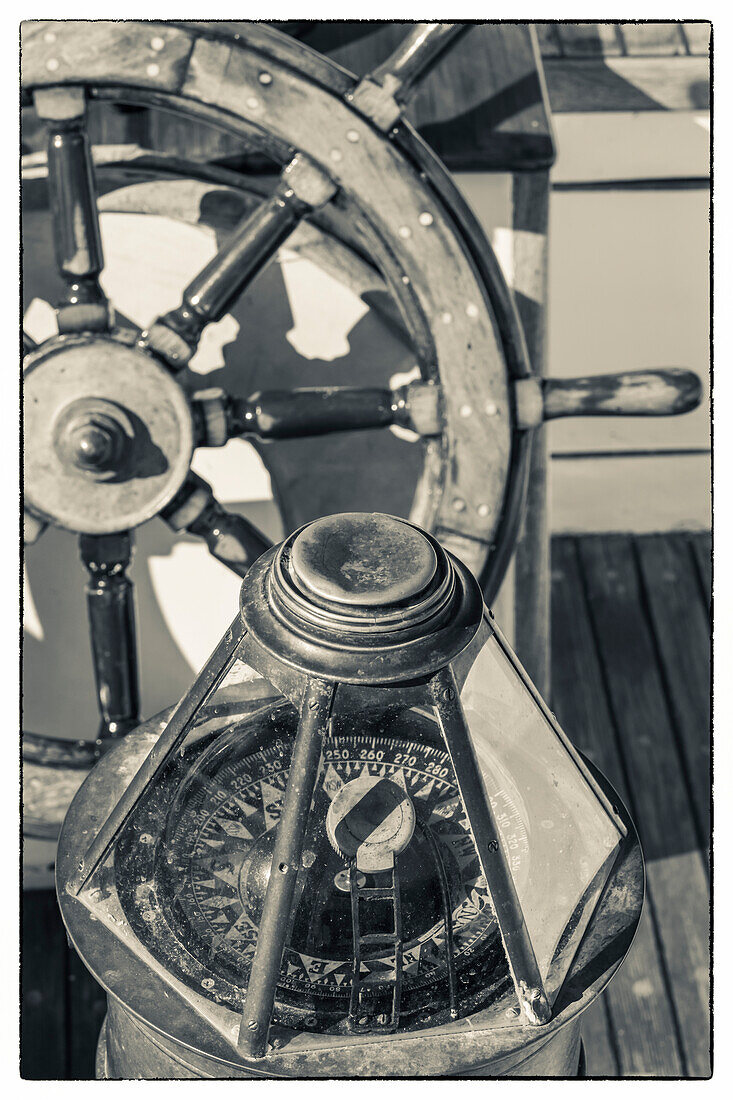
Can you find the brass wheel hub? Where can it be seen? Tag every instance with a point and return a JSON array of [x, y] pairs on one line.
[[108, 434]]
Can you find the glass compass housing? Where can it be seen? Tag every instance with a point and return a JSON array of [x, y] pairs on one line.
[[361, 822]]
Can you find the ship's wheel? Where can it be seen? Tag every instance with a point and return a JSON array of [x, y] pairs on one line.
[[111, 416]]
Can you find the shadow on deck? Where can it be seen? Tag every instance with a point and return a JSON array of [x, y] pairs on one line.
[[631, 686]]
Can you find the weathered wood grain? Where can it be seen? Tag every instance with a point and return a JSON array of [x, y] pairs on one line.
[[643, 1025], [643, 1022], [638, 701], [655, 769], [682, 635], [679, 887], [701, 546], [600, 1055]]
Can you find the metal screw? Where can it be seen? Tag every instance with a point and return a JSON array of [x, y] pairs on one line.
[[253, 1025], [450, 694]]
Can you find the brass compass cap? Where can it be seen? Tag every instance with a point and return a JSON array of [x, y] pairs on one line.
[[360, 598], [362, 559]]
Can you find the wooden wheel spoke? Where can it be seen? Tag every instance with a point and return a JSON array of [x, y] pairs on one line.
[[111, 610], [302, 187], [73, 200], [232, 539], [383, 94], [299, 413]]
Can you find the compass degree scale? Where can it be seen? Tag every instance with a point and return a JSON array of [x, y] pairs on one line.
[[396, 858]]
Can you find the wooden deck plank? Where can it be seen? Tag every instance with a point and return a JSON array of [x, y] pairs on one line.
[[43, 989], [637, 697], [87, 1005], [701, 544], [679, 887], [681, 633], [600, 1054], [644, 1027], [660, 799], [639, 1008]]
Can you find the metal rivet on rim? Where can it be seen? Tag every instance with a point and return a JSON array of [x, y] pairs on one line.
[[52, 64], [49, 37], [265, 78], [465, 410], [253, 102], [425, 218], [405, 232], [157, 44], [336, 155], [459, 505], [483, 510], [446, 318], [153, 70], [352, 135], [490, 408], [471, 310]]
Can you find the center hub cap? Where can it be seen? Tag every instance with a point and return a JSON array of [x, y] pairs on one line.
[[108, 434]]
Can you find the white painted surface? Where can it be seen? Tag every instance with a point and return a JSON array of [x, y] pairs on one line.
[[642, 494], [626, 145]]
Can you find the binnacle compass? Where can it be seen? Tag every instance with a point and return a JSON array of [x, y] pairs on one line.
[[197, 894], [360, 825]]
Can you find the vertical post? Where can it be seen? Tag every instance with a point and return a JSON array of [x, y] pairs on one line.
[[315, 712], [111, 610], [532, 561], [492, 859]]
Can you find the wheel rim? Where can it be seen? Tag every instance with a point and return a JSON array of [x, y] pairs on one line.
[[421, 236]]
